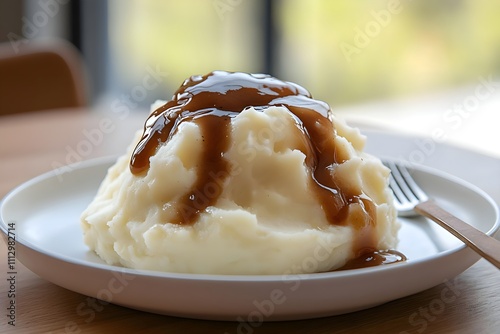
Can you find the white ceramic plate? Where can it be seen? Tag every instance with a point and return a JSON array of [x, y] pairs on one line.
[[45, 212]]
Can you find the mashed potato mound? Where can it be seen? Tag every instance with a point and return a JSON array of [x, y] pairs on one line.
[[267, 219]]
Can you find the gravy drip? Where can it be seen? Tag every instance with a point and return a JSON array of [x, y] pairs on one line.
[[376, 258], [211, 101]]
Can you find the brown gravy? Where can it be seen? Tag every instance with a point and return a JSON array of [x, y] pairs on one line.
[[211, 101], [372, 259]]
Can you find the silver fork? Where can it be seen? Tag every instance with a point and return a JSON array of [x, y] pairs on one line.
[[411, 200]]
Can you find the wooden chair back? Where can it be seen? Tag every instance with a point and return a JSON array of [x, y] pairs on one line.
[[40, 76]]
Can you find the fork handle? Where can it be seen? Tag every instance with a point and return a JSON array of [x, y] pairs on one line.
[[488, 247]]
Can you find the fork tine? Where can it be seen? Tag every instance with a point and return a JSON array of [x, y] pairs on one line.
[[412, 186], [396, 190], [399, 186]]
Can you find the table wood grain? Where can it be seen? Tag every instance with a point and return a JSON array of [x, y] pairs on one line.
[[38, 142]]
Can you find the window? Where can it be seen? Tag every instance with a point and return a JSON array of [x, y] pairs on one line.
[[344, 52]]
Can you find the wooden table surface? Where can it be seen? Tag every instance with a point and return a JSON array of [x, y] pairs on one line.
[[34, 143]]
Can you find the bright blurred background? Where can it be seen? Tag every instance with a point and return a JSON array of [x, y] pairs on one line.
[[385, 62], [344, 52]]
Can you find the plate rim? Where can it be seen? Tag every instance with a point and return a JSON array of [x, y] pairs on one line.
[[109, 160]]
